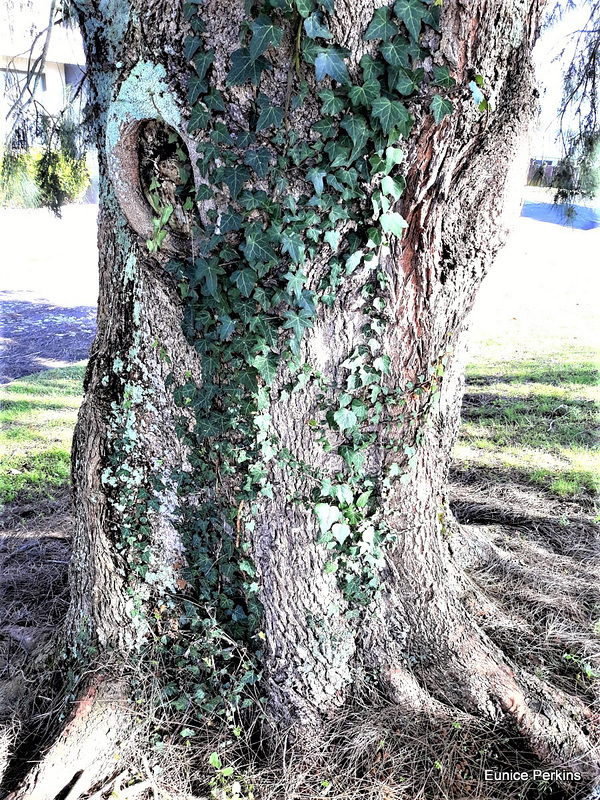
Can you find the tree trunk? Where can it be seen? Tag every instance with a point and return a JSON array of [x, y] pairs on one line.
[[336, 608]]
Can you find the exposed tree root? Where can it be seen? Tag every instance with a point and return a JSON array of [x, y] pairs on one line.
[[80, 757]]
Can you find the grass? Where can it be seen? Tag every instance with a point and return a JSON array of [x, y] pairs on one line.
[[537, 420], [37, 417]]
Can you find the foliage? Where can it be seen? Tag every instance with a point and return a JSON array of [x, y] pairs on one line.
[[48, 178], [270, 202]]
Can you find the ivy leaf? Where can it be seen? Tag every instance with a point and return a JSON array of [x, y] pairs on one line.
[[328, 5], [204, 193], [244, 68], [357, 130], [389, 112], [199, 118], [305, 7], [411, 12], [292, 245], [381, 26], [345, 419], [266, 366], [214, 100], [325, 127], [443, 78], [406, 82], [264, 34], [441, 107], [297, 322], [330, 62], [327, 515], [230, 221], [391, 187], [208, 271], [203, 61], [332, 105], [316, 175], [295, 283], [245, 280], [190, 46], [396, 52], [195, 88], [271, 115], [227, 326], [365, 94], [371, 68], [257, 247], [258, 160], [333, 240], [234, 178], [341, 531], [393, 222], [314, 27]]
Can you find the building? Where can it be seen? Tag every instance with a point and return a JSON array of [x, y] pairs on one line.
[[23, 33]]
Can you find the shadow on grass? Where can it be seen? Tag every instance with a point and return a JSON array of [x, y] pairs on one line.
[[534, 420], [558, 374]]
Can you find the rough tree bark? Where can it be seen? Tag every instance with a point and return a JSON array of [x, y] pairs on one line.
[[419, 638]]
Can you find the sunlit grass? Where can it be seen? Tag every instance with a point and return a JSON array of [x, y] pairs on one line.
[[537, 419], [37, 417]]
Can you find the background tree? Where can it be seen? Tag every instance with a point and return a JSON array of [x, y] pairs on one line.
[[298, 204]]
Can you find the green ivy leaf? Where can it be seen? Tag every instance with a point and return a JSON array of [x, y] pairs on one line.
[[365, 95], [392, 187], [295, 283], [332, 105], [411, 12], [443, 78], [297, 322], [330, 62], [390, 113], [396, 52], [441, 107], [266, 366], [371, 68], [264, 34], [204, 193], [305, 7], [393, 222], [271, 115], [341, 531], [326, 127], [316, 175], [190, 46], [357, 129], [234, 178], [381, 26], [257, 247], [196, 87], [199, 118], [245, 280], [259, 160], [244, 68], [202, 62], [313, 26], [406, 81], [230, 221], [327, 515], [292, 245], [345, 419], [214, 100], [333, 240], [209, 272]]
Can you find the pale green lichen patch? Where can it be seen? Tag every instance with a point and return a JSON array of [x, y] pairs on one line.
[[143, 95]]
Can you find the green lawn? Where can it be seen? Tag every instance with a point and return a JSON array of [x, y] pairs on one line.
[[37, 416], [534, 422]]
